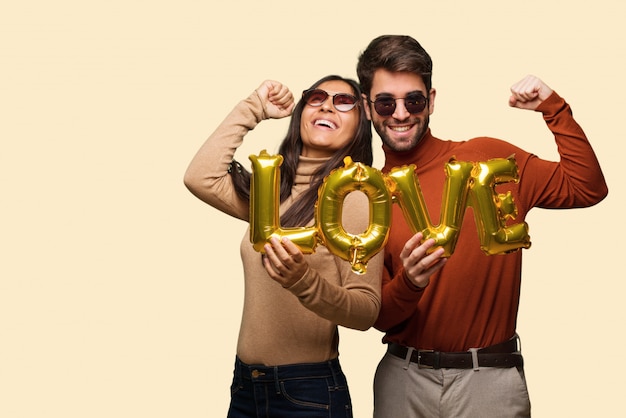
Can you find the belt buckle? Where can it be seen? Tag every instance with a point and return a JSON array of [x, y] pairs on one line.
[[419, 359]]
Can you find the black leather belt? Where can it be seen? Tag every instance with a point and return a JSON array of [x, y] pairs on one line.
[[502, 355]]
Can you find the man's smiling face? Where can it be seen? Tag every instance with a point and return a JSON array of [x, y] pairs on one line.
[[401, 131]]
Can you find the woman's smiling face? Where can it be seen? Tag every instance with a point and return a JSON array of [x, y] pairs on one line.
[[324, 129]]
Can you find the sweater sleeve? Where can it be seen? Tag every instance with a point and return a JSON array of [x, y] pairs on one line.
[[574, 181], [354, 301], [207, 176], [399, 298]]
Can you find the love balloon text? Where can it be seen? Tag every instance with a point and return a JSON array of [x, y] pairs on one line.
[[468, 184]]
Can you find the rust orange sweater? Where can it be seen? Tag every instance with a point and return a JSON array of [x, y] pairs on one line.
[[473, 301]]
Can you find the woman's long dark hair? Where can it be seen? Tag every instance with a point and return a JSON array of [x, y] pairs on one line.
[[303, 209]]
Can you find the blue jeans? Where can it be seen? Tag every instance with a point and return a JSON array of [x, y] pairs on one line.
[[293, 391]]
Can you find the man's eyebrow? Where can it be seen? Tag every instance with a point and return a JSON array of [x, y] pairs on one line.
[[385, 94]]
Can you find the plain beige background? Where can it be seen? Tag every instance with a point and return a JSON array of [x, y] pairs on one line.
[[120, 293]]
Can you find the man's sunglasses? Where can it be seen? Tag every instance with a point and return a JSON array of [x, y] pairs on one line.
[[414, 103], [343, 102]]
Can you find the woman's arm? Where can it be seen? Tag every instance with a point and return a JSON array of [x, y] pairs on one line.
[[207, 176], [331, 289]]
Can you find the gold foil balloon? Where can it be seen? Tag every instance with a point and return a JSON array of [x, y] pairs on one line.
[[406, 192], [264, 206], [355, 248], [492, 210], [467, 184]]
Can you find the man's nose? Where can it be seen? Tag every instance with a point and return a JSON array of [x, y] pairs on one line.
[[400, 111]]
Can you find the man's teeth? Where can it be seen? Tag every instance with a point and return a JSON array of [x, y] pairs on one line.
[[325, 123], [400, 128]]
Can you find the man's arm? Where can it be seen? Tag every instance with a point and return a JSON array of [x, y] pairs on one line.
[[577, 179], [401, 293]]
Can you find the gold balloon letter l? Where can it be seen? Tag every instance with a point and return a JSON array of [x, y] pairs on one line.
[[264, 205]]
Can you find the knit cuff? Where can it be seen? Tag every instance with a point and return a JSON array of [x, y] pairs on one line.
[[410, 284], [302, 284], [551, 106]]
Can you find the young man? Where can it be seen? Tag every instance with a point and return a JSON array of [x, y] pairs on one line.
[[449, 322]]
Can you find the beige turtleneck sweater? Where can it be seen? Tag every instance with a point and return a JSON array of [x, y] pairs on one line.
[[296, 324]]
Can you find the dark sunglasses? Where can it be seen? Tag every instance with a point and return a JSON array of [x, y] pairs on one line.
[[343, 102], [414, 103]]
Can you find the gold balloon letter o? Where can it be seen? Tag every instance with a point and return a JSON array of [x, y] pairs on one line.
[[357, 249]]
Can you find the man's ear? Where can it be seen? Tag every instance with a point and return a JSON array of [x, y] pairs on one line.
[[431, 101]]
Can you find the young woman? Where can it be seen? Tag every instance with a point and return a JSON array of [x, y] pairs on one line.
[[287, 353]]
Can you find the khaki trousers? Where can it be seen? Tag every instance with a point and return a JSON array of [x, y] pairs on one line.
[[402, 390]]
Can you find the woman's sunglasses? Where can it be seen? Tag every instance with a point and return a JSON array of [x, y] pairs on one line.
[[343, 102], [414, 103]]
